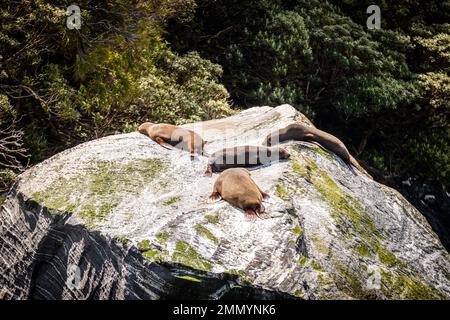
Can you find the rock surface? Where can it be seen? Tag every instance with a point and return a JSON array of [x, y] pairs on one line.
[[123, 218]]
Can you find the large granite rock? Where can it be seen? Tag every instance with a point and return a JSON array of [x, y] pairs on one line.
[[123, 218]]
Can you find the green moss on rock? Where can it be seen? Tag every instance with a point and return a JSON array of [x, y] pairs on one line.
[[171, 201], [316, 265], [299, 169], [322, 152], [326, 287], [363, 250], [354, 223], [144, 245], [185, 254], [302, 260], [189, 278], [123, 240], [386, 256], [2, 199], [154, 255], [319, 244], [349, 282], [394, 285], [212, 218], [241, 273], [297, 231], [95, 192], [162, 237], [299, 293], [408, 287], [347, 211], [204, 232], [281, 192]]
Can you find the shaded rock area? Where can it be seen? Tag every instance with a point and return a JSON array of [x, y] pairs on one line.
[[123, 218], [433, 201]]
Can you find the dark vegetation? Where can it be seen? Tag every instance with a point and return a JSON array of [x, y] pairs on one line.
[[60, 87], [385, 92]]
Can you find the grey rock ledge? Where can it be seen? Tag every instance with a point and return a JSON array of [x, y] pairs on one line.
[[122, 218]]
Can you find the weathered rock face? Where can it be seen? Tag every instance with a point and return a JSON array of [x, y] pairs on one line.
[[123, 218], [432, 200]]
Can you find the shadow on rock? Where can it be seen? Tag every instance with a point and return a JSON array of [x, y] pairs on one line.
[[72, 262]]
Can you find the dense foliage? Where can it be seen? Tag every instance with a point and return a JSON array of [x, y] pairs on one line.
[[385, 92], [59, 87]]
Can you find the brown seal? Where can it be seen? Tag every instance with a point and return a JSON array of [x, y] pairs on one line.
[[244, 156], [302, 132], [237, 187], [168, 135]]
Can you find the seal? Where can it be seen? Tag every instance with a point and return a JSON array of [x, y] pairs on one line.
[[302, 132], [235, 186], [168, 136], [243, 156]]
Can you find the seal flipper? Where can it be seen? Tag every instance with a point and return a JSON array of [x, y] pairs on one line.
[[215, 196], [261, 209], [308, 137], [192, 149], [261, 213], [162, 143], [250, 214]]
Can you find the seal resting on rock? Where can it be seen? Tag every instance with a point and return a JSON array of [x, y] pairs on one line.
[[243, 156], [237, 187], [168, 136], [302, 132]]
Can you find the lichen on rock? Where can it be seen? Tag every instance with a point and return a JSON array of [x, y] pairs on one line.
[[134, 218], [99, 188]]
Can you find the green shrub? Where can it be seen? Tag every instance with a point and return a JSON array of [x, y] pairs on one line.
[[380, 91], [66, 86]]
